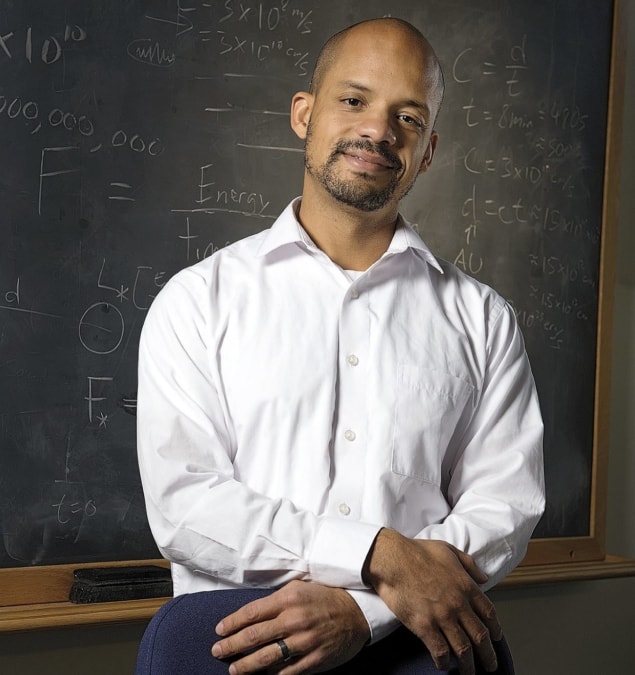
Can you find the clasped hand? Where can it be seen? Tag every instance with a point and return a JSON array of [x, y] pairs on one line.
[[322, 627], [430, 586]]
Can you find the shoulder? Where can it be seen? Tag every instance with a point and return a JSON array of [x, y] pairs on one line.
[[195, 292], [468, 292], [206, 272]]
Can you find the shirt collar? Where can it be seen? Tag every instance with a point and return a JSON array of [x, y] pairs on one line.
[[288, 230]]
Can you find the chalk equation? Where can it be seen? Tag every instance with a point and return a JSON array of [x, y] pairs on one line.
[[57, 161], [563, 270], [522, 153], [32, 46], [554, 334], [507, 116], [467, 67], [141, 291], [210, 197], [479, 208], [551, 171], [99, 390], [228, 28], [70, 507], [268, 20], [567, 307]]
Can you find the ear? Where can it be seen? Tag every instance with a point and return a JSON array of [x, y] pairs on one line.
[[429, 153], [301, 106]]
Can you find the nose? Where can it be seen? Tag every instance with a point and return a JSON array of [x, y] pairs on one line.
[[377, 126]]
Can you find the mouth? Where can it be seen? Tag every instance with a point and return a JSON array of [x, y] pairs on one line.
[[368, 158]]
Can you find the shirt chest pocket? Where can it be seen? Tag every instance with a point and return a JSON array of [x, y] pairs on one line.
[[428, 406]]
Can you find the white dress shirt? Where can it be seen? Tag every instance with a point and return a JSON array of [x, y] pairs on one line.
[[286, 413]]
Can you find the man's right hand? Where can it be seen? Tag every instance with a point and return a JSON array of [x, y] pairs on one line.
[[432, 588]]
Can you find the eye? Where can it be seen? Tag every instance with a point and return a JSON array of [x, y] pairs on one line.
[[351, 101], [411, 121]]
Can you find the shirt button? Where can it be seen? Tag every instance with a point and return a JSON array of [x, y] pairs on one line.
[[354, 293], [352, 360], [345, 509], [349, 435]]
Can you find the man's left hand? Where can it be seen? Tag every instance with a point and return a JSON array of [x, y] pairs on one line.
[[322, 628]]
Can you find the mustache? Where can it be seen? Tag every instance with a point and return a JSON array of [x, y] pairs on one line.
[[369, 146]]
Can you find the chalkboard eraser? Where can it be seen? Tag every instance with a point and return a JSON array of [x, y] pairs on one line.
[[109, 584]]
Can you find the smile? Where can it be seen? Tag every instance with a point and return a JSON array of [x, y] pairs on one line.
[[367, 161]]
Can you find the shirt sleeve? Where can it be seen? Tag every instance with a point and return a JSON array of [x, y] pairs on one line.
[[201, 515], [379, 617], [496, 480]]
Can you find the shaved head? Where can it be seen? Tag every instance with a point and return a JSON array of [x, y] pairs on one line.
[[431, 68]]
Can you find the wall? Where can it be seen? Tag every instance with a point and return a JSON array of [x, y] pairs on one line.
[[572, 628]]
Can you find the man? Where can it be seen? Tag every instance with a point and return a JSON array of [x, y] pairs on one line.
[[327, 410]]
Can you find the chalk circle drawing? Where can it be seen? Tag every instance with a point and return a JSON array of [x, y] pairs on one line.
[[101, 328]]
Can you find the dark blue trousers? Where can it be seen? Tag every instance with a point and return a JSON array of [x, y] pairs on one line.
[[180, 636]]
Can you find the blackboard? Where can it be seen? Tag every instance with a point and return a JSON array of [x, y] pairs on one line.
[[140, 136]]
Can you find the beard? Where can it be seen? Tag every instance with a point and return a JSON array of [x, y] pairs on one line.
[[361, 194]]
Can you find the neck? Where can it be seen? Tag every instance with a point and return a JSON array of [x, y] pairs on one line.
[[352, 239]]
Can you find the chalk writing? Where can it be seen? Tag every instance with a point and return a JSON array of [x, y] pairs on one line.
[[13, 298], [549, 300], [102, 419], [14, 108], [136, 143], [505, 213], [213, 198], [555, 266], [536, 320], [261, 51], [509, 119], [503, 166], [124, 187], [469, 262], [510, 71], [92, 397], [66, 509], [269, 147], [556, 221], [68, 151], [70, 122], [129, 404], [121, 292], [230, 108], [480, 210], [147, 51], [194, 253], [144, 276], [566, 117], [29, 110], [267, 20], [48, 50]]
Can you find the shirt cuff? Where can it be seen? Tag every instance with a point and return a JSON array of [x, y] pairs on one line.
[[339, 551], [380, 619]]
